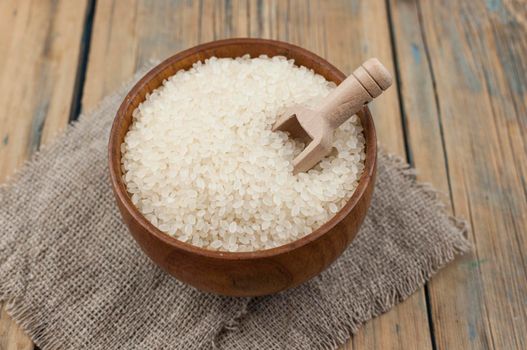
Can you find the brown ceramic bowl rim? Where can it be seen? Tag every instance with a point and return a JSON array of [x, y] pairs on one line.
[[120, 188]]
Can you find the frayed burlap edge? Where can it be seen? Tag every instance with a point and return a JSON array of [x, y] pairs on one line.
[[457, 245]]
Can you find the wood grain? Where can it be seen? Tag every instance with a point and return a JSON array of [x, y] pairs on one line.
[[39, 45], [471, 129], [11, 336], [128, 34], [424, 136]]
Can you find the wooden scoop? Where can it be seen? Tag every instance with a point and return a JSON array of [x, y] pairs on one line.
[[363, 85]]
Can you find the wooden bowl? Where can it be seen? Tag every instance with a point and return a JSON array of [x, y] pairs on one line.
[[245, 273]]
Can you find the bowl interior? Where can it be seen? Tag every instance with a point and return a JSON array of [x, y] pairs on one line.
[[230, 48]]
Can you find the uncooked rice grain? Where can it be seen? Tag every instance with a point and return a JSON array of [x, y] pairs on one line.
[[202, 164]]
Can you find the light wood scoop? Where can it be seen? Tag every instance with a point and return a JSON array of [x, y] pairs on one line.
[[363, 85]]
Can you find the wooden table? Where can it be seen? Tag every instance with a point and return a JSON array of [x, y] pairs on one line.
[[458, 113]]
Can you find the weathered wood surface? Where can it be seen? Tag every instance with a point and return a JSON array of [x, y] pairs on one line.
[[347, 36], [39, 54], [464, 71], [462, 78], [479, 50]]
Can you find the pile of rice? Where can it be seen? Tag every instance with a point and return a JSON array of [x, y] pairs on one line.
[[202, 164]]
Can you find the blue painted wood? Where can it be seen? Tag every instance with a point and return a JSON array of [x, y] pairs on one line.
[[463, 75]]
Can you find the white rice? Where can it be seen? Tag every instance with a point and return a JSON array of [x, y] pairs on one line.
[[202, 164]]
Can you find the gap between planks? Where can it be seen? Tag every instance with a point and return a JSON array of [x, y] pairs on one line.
[[76, 101]]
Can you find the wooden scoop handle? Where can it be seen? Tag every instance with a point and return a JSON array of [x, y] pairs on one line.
[[363, 85]]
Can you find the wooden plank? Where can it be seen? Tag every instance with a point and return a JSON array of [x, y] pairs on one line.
[[353, 39], [127, 34], [350, 39], [39, 42], [426, 148], [474, 53]]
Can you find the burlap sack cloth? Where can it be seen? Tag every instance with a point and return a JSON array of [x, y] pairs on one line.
[[73, 277]]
